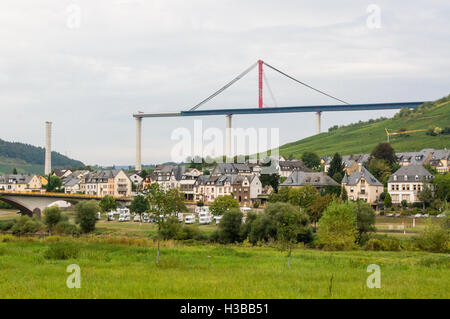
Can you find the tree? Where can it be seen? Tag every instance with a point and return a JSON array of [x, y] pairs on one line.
[[387, 200], [107, 203], [385, 152], [86, 215], [336, 170], [139, 204], [303, 196], [380, 169], [365, 217], [344, 195], [289, 226], [311, 160], [338, 227], [164, 204], [425, 195], [230, 226], [441, 185], [54, 184], [222, 204], [281, 196], [270, 180], [52, 216], [318, 206], [15, 171]]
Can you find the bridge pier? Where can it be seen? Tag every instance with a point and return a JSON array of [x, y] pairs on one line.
[[228, 136], [138, 143], [318, 122]]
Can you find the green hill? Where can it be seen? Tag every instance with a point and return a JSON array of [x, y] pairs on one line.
[[29, 159], [362, 137]]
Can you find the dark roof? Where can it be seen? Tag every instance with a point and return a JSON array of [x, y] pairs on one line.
[[357, 175], [298, 178], [293, 166], [411, 172]]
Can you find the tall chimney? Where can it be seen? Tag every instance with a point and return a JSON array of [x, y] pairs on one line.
[[48, 148]]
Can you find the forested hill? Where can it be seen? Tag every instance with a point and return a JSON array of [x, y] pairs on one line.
[[431, 118], [30, 159]]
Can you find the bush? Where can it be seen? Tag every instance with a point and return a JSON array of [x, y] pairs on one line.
[[384, 244], [170, 228], [66, 228], [52, 216], [434, 239], [6, 225], [190, 232], [256, 204], [265, 227], [230, 226], [86, 215], [62, 251], [338, 227], [26, 225]]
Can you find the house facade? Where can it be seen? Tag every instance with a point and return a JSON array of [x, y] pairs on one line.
[[21, 183], [362, 185], [407, 182]]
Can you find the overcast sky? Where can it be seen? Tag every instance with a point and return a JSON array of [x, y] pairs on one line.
[[87, 66]]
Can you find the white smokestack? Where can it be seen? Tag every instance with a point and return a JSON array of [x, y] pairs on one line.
[[48, 148]]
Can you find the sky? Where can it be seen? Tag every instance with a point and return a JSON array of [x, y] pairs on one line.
[[87, 66]]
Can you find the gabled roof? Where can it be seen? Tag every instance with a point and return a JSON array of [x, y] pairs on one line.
[[357, 175], [412, 173], [296, 165], [298, 178]]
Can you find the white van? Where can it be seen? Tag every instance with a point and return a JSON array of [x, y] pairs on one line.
[[122, 217], [189, 219], [99, 215], [204, 218], [180, 217], [245, 209], [137, 218]]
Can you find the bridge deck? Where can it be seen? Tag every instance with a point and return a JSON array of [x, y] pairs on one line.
[[287, 109], [62, 196]]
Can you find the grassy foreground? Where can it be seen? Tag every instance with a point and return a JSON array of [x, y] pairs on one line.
[[114, 267]]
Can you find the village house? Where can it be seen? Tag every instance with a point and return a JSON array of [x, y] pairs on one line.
[[407, 182], [231, 168], [440, 160], [362, 185], [187, 182], [167, 176], [21, 183], [106, 182]]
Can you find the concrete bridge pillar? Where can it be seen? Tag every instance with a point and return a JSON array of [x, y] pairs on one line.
[[228, 136], [138, 143], [318, 122]]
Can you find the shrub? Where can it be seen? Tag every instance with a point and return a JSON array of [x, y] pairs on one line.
[[256, 204], [374, 244], [384, 243], [170, 228], [434, 239], [86, 215], [26, 225], [6, 225], [338, 227], [190, 232], [62, 251], [52, 216], [365, 217], [66, 228], [230, 226]]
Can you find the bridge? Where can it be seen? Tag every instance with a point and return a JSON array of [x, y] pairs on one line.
[[318, 109], [33, 203]]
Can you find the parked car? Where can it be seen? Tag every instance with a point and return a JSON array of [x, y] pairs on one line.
[[418, 215], [137, 218], [245, 209], [122, 217], [441, 215], [397, 215], [390, 215], [189, 219]]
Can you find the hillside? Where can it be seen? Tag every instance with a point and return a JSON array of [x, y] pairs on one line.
[[362, 137], [29, 159]]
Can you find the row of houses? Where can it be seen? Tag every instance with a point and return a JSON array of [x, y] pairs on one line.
[[438, 159]]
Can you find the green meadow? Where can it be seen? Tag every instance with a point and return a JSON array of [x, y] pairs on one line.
[[124, 267]]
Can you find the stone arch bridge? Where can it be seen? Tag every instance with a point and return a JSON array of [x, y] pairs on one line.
[[33, 203]]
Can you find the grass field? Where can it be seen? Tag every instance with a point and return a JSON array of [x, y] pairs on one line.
[[121, 264], [111, 270]]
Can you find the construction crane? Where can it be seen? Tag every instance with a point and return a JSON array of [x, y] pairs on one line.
[[401, 132]]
